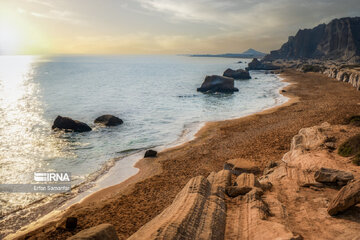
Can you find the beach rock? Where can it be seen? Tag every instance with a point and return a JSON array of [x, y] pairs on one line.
[[237, 74], [108, 120], [100, 232], [68, 124], [328, 176], [347, 197], [197, 212], [217, 83], [71, 223], [255, 64], [150, 153], [234, 191], [241, 165]]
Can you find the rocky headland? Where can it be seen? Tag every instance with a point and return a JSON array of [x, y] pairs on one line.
[[338, 40]]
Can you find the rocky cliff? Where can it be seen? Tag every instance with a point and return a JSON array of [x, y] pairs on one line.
[[337, 40]]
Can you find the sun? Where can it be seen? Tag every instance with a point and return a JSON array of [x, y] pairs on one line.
[[9, 39]]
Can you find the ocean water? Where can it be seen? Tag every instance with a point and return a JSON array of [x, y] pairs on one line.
[[154, 95]]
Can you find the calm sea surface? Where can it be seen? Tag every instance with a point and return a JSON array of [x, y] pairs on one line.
[[154, 95]]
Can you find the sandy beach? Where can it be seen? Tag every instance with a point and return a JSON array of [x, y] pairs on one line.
[[260, 138]]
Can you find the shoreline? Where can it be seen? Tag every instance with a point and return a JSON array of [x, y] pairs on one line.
[[144, 167], [147, 168]]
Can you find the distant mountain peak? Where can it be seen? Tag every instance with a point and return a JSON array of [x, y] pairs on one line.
[[252, 51]]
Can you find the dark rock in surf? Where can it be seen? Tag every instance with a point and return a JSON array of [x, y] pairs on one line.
[[217, 83], [108, 120], [237, 74], [150, 153], [68, 124]]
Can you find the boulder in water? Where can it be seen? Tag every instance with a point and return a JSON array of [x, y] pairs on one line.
[[237, 74], [217, 83], [68, 124], [108, 120]]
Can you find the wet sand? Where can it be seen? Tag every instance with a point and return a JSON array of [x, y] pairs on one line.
[[261, 138]]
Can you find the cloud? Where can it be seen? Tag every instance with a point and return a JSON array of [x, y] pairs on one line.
[[42, 2], [58, 15], [49, 10]]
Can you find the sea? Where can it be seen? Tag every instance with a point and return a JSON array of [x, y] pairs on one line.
[[155, 96]]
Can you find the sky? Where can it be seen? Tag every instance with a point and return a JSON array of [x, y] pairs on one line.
[[159, 26]]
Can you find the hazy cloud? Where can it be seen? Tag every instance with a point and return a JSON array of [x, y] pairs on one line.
[[42, 2], [49, 10], [57, 15]]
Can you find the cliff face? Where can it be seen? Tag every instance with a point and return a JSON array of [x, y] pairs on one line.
[[338, 40]]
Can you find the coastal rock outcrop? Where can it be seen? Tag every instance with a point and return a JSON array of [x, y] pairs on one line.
[[347, 197], [328, 176], [234, 191], [255, 64], [343, 74], [101, 232], [68, 124], [237, 74], [108, 120], [197, 212], [247, 180], [241, 165], [217, 83], [297, 199], [337, 40]]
